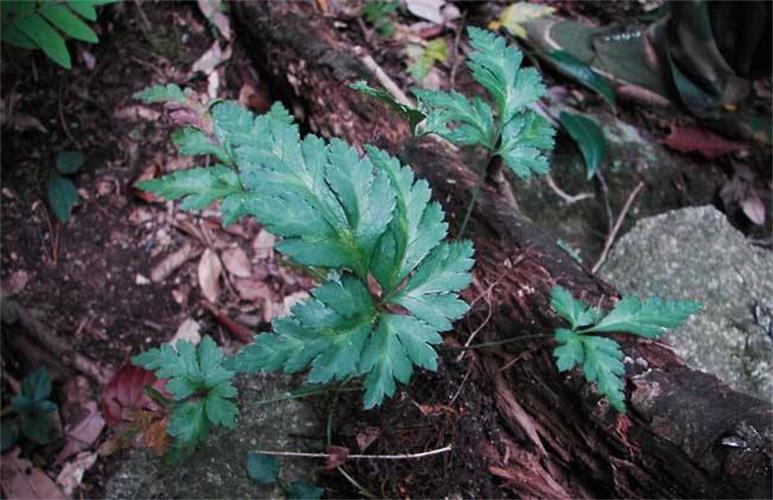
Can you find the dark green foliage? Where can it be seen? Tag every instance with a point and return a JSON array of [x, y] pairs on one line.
[[379, 14], [600, 357], [43, 24], [361, 218], [32, 411], [263, 469], [589, 138]]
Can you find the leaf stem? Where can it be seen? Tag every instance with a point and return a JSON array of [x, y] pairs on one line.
[[503, 341]]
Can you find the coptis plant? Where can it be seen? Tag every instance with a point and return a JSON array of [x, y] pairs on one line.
[[600, 357], [391, 282]]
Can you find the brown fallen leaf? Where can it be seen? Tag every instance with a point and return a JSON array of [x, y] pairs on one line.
[[19, 479], [71, 475], [149, 172], [188, 330], [136, 112], [237, 263], [241, 332], [700, 141], [290, 301], [15, 283], [77, 393], [82, 432], [263, 245], [252, 290], [211, 59], [171, 262], [210, 269]]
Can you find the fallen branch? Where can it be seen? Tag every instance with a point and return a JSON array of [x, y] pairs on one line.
[[406, 456], [568, 198], [616, 228]]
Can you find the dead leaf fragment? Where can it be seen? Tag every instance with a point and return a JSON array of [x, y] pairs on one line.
[[211, 59], [237, 263], [252, 290], [20, 479], [15, 283], [336, 456], [210, 269], [83, 432], [212, 10], [171, 262], [71, 475], [263, 245], [189, 330], [367, 437], [136, 112], [754, 209]]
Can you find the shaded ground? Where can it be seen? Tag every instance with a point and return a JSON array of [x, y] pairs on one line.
[[90, 278]]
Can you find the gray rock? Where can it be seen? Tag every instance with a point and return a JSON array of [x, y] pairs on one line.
[[694, 253], [218, 469]]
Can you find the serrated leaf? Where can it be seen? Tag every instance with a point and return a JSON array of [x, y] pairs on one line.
[[649, 319], [62, 197], [600, 358], [525, 139], [194, 370], [496, 66], [303, 490], [385, 361], [455, 118], [576, 312], [589, 138], [198, 187], [582, 73], [430, 293], [192, 141], [46, 38], [417, 226], [67, 22], [410, 114], [262, 468], [161, 93], [69, 162]]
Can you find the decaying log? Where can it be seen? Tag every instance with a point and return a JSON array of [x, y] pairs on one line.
[[685, 434]]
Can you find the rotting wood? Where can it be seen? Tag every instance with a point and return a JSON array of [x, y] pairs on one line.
[[675, 440]]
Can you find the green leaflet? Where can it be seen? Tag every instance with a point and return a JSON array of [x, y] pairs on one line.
[[600, 357], [649, 318], [520, 136], [410, 114], [161, 93], [589, 138], [362, 216], [199, 383]]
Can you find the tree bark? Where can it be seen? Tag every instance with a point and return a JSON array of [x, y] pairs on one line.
[[686, 434]]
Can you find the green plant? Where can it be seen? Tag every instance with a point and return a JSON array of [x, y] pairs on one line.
[[589, 138], [379, 14], [423, 58], [42, 24], [600, 357], [517, 135], [264, 469], [30, 411], [200, 387], [61, 191], [392, 283]]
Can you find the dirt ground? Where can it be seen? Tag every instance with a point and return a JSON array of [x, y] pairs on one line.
[[90, 280]]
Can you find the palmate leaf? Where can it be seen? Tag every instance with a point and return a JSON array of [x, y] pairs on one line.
[[362, 216], [193, 371], [455, 118], [525, 138], [601, 358]]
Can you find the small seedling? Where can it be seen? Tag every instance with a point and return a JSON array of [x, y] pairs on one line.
[[62, 193], [30, 411], [264, 469]]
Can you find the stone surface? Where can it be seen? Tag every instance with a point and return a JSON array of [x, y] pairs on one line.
[[694, 253], [218, 469]]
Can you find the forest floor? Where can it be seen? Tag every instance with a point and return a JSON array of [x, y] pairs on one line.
[[126, 272]]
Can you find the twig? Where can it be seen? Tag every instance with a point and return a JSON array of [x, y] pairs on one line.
[[380, 75], [618, 224], [480, 327], [457, 59], [406, 456], [605, 196], [568, 198], [461, 386], [357, 485]]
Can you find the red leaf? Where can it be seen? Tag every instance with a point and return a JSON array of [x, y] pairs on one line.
[[702, 142], [125, 394]]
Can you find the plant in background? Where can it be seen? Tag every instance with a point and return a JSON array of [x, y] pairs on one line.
[[516, 134], [264, 469], [200, 387], [380, 14], [62, 193], [589, 138], [391, 283], [30, 411], [423, 58], [600, 357], [42, 24]]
